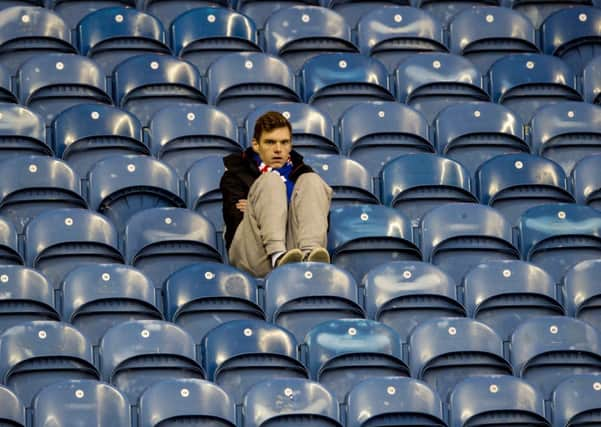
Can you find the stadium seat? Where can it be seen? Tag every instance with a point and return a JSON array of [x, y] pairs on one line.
[[38, 353], [548, 350], [72, 11], [240, 82], [97, 297], [81, 402], [171, 402], [557, 236], [490, 131], [459, 236], [290, 402], [416, 183], [28, 31], [581, 292], [87, 133], [312, 130], [144, 84], [168, 10], [354, 10], [298, 33], [300, 296], [9, 245], [496, 399], [586, 183], [394, 401], [442, 352], [137, 354], [591, 81], [373, 133], [6, 88], [341, 353], [576, 401], [403, 294], [333, 82], [25, 295], [513, 183], [364, 236], [260, 10], [221, 31], [241, 353], [391, 34], [538, 11], [204, 295], [487, 33], [21, 132], [35, 184], [445, 10], [204, 194], [13, 411], [10, 3], [160, 241], [67, 80], [112, 35], [502, 294], [349, 179], [121, 186], [574, 35], [429, 82], [524, 82], [566, 132], [59, 240]]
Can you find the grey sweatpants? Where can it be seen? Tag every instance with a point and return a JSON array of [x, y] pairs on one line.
[[270, 225]]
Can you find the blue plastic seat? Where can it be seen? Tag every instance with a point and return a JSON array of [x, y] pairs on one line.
[[373, 133], [260, 10], [581, 292], [38, 353], [341, 353], [241, 353], [391, 34], [540, 10], [298, 33], [121, 186], [97, 297], [137, 354], [221, 31], [204, 295], [573, 34], [203, 191], [524, 82], [445, 10], [547, 350], [13, 411], [81, 402], [396, 401], [10, 3], [591, 81], [362, 237], [442, 352], [240, 82], [576, 401], [312, 130], [144, 84], [9, 245], [497, 399], [300, 296], [171, 402], [334, 82], [557, 236], [429, 82], [181, 135], [586, 183], [349, 179], [67, 80], [7, 93], [290, 402], [487, 33], [513, 183], [459, 236], [160, 241], [354, 10], [416, 183], [111, 35], [403, 294], [35, 184], [502, 294], [59, 240], [25, 295], [72, 11], [566, 132], [490, 131], [168, 10], [28, 31], [87, 133], [21, 132]]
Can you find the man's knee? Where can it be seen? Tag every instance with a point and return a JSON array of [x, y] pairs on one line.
[[310, 179]]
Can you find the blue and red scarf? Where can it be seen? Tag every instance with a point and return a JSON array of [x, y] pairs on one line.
[[283, 172]]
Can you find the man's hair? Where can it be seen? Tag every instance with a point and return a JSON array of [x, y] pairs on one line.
[[270, 121]]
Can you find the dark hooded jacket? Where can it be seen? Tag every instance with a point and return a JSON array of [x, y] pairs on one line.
[[241, 171]]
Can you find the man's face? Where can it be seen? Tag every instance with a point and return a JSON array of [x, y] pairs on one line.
[[274, 147]]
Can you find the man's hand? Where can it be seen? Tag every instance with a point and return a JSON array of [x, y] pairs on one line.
[[241, 205]]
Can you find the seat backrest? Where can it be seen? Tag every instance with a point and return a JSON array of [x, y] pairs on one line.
[[260, 10], [203, 189], [541, 10], [445, 10], [576, 399], [13, 411], [7, 94], [579, 285], [9, 245], [591, 81], [169, 10], [72, 11], [21, 132], [354, 10]]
